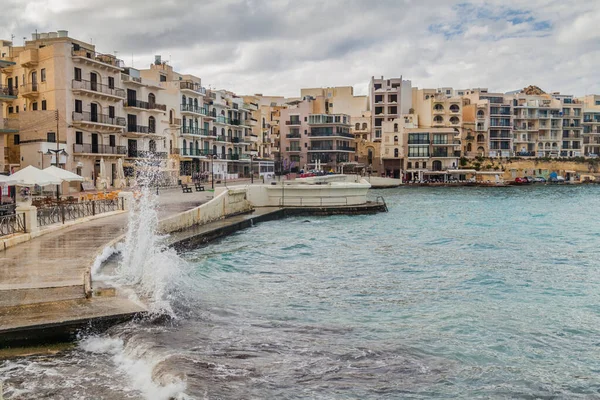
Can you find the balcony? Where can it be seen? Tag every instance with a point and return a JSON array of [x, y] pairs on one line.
[[190, 130], [29, 58], [326, 134], [293, 136], [293, 149], [8, 93], [329, 119], [30, 90], [146, 154], [221, 119], [140, 129], [194, 152], [193, 87], [332, 148], [98, 90], [175, 122], [96, 121], [98, 60], [9, 125], [144, 105], [293, 122], [191, 109], [220, 138], [88, 148], [131, 79]]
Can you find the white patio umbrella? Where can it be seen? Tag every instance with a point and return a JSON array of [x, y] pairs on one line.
[[63, 174], [7, 180], [31, 176]]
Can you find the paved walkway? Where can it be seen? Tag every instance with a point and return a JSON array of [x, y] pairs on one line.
[[60, 258]]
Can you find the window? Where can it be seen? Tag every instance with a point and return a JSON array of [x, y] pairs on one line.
[[78, 137], [16, 140], [163, 78], [418, 138], [112, 140], [43, 74], [17, 109], [440, 139], [409, 165], [111, 111], [44, 105], [396, 138], [78, 106], [395, 127], [11, 110], [51, 137], [418, 151], [34, 106], [111, 82], [396, 153], [78, 74]]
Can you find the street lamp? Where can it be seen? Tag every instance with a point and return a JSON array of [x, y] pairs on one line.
[[251, 169], [212, 170]]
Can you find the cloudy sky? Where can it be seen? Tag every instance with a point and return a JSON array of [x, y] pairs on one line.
[[278, 46]]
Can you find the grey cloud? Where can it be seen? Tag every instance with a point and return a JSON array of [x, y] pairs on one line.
[[278, 46]]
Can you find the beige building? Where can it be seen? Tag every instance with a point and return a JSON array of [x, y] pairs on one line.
[[591, 125], [311, 138], [368, 155], [8, 127], [389, 100], [70, 99]]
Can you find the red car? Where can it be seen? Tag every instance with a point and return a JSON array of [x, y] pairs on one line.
[[521, 180]]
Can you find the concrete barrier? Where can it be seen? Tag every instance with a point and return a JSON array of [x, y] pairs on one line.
[[228, 202]]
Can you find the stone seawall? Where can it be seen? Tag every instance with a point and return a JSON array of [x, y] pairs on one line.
[[227, 203]]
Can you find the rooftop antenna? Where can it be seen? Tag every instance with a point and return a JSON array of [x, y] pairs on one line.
[[24, 39], [132, 59]]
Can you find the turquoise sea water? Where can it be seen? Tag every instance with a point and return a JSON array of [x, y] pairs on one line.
[[455, 293]]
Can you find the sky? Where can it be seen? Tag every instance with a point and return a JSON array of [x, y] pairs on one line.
[[276, 47]]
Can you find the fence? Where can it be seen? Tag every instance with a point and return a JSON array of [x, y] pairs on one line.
[[11, 224], [71, 211]]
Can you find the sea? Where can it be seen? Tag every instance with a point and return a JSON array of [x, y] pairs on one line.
[[454, 293]]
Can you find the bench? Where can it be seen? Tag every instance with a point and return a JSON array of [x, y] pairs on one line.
[[185, 188], [199, 188]]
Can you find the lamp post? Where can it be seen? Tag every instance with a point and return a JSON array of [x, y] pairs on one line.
[[251, 170], [212, 170]]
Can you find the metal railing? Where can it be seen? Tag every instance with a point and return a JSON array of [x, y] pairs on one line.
[[98, 149], [192, 86], [87, 116], [146, 154], [8, 90], [98, 87], [98, 57], [313, 201], [12, 223], [71, 211], [145, 105], [138, 129]]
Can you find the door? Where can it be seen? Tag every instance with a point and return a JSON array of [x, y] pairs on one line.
[[93, 81], [132, 148], [94, 112], [9, 83], [34, 81], [131, 123], [131, 97], [95, 143]]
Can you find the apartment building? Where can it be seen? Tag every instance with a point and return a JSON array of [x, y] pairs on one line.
[[393, 146], [69, 99], [572, 125], [389, 100], [591, 125], [8, 127], [368, 153], [491, 115], [312, 137]]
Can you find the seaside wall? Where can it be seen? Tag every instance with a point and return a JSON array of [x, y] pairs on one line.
[[292, 194], [228, 202], [509, 169]]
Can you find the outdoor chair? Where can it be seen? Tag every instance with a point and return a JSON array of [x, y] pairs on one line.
[[199, 187], [185, 188]]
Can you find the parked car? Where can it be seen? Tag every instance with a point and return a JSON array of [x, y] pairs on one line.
[[558, 179], [522, 181], [539, 179], [530, 179]]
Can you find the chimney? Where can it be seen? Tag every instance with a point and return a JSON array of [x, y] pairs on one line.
[[157, 60]]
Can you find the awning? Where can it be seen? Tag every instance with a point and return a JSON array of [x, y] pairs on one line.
[[435, 172]]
